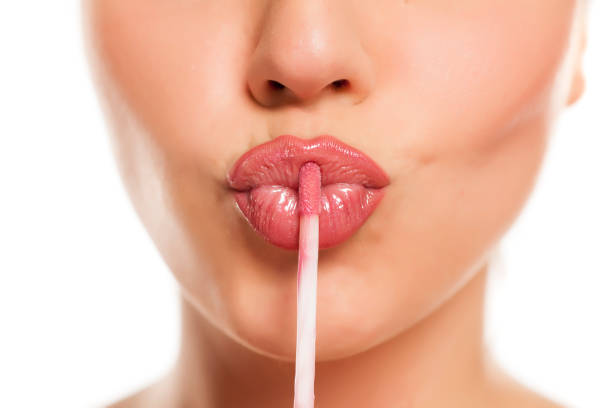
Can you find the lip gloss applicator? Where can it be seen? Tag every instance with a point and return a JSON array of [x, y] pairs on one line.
[[309, 207]]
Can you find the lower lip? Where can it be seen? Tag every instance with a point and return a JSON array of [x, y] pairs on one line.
[[273, 212]]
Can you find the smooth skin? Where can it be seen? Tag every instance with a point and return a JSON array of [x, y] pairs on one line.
[[456, 100]]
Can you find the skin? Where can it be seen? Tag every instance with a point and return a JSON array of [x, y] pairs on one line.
[[454, 100]]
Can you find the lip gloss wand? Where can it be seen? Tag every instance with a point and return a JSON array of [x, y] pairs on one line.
[[309, 207]]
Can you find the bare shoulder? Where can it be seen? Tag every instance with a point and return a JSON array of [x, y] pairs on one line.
[[529, 399], [508, 392], [153, 396], [136, 400]]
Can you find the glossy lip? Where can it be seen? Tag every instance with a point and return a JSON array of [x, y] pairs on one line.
[[265, 180]]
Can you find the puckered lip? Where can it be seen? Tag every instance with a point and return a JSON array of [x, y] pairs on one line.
[[278, 162]]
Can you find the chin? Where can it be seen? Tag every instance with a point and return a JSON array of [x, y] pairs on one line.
[[343, 329]]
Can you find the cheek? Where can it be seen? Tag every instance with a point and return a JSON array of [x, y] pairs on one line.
[[167, 72], [175, 68], [474, 97], [469, 73], [474, 88]]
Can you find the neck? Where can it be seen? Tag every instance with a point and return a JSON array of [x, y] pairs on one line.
[[438, 362]]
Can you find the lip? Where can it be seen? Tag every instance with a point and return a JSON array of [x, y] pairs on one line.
[[265, 183]]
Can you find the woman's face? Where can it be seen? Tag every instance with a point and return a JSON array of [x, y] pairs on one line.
[[454, 100]]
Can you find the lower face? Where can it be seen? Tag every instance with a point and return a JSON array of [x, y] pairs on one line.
[[458, 112]]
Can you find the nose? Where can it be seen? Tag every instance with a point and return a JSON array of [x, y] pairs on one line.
[[307, 49]]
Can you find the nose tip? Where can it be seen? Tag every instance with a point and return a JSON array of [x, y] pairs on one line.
[[306, 50]]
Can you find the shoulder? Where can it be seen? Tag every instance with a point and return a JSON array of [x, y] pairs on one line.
[[530, 399], [136, 400], [508, 392], [153, 396]]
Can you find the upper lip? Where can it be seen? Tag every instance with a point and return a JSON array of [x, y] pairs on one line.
[[278, 162]]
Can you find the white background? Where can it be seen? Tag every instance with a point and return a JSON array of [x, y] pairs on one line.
[[88, 309]]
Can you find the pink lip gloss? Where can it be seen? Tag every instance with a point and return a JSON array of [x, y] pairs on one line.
[[309, 207], [265, 182]]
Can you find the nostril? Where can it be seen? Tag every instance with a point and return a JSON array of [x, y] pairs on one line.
[[276, 85], [340, 83]]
